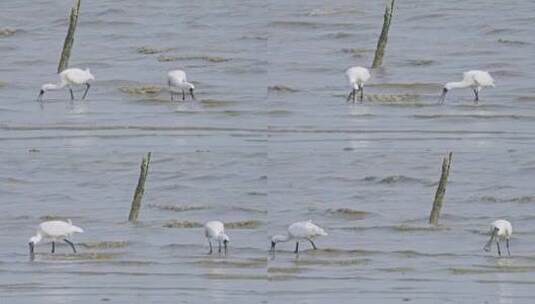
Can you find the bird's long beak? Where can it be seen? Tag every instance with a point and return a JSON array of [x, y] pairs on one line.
[[32, 254], [443, 96], [489, 243], [40, 96], [191, 92]]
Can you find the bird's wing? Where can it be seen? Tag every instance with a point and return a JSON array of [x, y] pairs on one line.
[[483, 78], [75, 76], [55, 228]]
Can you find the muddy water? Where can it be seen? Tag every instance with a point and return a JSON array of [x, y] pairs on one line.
[[270, 141]]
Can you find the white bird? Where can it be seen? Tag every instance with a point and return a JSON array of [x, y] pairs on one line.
[[215, 230], [299, 231], [476, 80], [499, 230], [55, 231], [357, 76], [176, 79], [68, 78]]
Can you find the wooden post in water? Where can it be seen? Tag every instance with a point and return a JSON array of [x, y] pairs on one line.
[[381, 44], [69, 39], [441, 190], [140, 189]]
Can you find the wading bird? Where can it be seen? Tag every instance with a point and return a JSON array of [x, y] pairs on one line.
[[215, 230], [177, 81], [68, 78], [357, 76], [499, 230], [305, 231], [55, 231], [476, 80]]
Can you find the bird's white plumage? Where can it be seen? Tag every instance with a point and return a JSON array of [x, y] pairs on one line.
[[178, 79], [56, 230], [305, 230], [214, 230], [505, 229], [357, 76], [76, 76]]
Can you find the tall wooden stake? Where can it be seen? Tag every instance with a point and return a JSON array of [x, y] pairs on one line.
[[140, 189], [383, 39], [69, 39], [441, 190]]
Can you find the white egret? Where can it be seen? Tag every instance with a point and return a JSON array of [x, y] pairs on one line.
[[499, 230], [299, 231], [357, 76], [68, 78], [476, 80], [55, 231], [215, 230], [176, 79]]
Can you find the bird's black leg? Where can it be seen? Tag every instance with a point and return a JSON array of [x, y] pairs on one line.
[[476, 93], [219, 250], [71, 244], [354, 95], [361, 93], [53, 247], [183, 95], [86, 90], [349, 96], [210, 243], [507, 245], [296, 247], [498, 245], [312, 243], [72, 94]]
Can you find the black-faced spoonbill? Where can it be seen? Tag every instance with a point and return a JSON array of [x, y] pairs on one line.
[[499, 230], [55, 231], [476, 80], [215, 230], [357, 76], [299, 231], [177, 80], [68, 78]]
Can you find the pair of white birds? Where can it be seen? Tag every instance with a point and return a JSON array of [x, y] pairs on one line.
[[476, 80], [176, 80], [215, 230]]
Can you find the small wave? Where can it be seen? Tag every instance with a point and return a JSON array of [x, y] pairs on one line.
[[356, 52], [476, 116], [94, 256], [249, 263], [251, 224], [182, 224], [213, 59], [399, 179], [251, 210], [350, 213], [412, 86], [55, 218], [521, 199], [331, 262], [150, 90], [420, 62], [145, 50], [339, 35], [281, 89], [512, 42], [308, 25], [286, 270], [425, 17], [104, 244], [176, 208]]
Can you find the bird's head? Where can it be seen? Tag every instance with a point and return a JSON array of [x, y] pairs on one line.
[[31, 244]]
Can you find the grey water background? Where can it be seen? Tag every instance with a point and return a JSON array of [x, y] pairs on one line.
[[270, 141]]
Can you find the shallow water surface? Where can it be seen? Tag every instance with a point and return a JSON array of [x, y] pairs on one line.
[[269, 141]]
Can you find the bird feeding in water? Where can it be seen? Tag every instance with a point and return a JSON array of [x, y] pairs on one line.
[[69, 78], [177, 80], [357, 76], [215, 230], [476, 80], [300, 231], [499, 230], [55, 231]]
